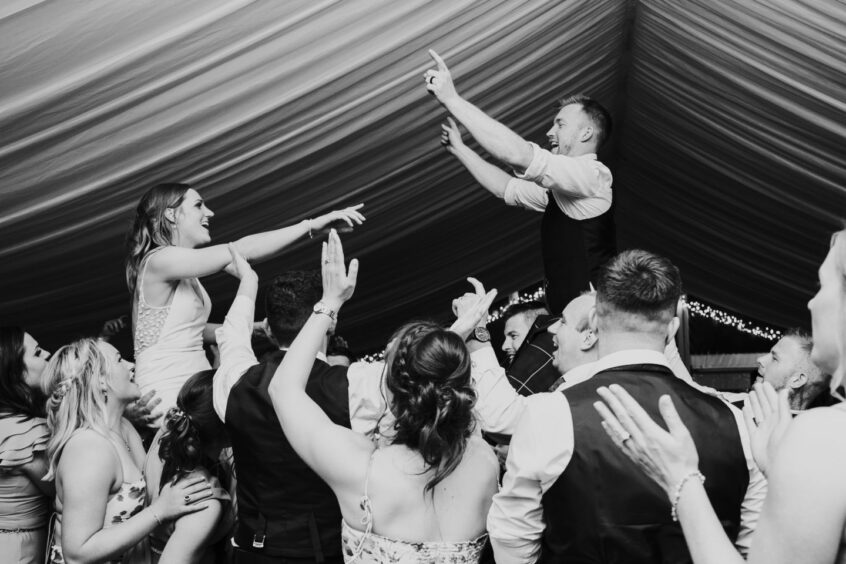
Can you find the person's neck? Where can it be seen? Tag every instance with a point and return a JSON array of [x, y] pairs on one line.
[[582, 150], [114, 415], [612, 342]]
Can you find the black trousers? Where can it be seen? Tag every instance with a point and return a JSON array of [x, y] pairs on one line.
[[241, 556]]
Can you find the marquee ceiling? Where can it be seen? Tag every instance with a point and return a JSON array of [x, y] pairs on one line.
[[727, 152]]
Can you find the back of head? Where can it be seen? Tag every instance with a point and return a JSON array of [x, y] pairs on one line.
[[75, 381], [599, 117], [428, 375], [191, 428], [529, 310], [816, 381], [290, 301], [16, 397], [150, 228], [637, 292]]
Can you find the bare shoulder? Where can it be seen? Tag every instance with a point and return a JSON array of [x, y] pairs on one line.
[[483, 459], [88, 456], [815, 440]]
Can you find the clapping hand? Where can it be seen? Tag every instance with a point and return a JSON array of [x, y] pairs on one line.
[[767, 415], [140, 412], [471, 309], [439, 82], [338, 282], [342, 221]]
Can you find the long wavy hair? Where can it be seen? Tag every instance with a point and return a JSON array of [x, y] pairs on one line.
[[75, 381], [190, 427], [428, 375], [16, 397], [151, 229]]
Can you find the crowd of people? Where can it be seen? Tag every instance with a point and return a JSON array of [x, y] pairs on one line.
[[592, 444]]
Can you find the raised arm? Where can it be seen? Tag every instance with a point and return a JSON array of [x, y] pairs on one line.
[[491, 177], [329, 449], [497, 139], [176, 263], [87, 471]]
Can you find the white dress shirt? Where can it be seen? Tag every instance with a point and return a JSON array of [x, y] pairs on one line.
[[538, 457], [581, 186]]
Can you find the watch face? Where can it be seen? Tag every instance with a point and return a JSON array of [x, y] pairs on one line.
[[482, 334]]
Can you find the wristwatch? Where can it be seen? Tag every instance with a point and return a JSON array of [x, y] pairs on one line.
[[480, 334], [320, 307]]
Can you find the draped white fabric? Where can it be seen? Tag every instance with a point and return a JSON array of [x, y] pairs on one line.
[[727, 153]]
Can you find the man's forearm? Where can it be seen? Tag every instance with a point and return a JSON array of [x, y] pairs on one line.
[[497, 139], [491, 177]]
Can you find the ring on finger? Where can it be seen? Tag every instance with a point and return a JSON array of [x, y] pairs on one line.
[[431, 79], [755, 420], [626, 437]]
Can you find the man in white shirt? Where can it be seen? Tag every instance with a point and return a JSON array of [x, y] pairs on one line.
[[568, 493], [788, 365], [567, 182]]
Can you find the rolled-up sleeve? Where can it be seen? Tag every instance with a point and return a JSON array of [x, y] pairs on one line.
[[498, 405], [536, 458], [574, 177], [367, 402], [236, 351], [525, 194]]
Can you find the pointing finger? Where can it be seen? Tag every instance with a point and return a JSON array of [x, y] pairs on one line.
[[441, 64], [480, 289]]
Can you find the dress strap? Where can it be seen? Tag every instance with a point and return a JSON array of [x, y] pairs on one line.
[[140, 282], [367, 518]]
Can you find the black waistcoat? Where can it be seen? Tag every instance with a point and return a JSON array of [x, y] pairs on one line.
[[279, 497], [603, 508], [573, 252]]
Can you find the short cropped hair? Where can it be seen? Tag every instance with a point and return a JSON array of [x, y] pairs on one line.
[[529, 310], [596, 113], [290, 301], [640, 284]]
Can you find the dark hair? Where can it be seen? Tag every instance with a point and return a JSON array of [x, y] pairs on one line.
[[428, 374], [596, 113], [802, 337], [640, 283], [150, 229], [16, 397], [530, 309], [290, 301], [338, 346], [190, 427]]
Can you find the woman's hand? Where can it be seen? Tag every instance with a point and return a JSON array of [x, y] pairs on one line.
[[338, 282], [238, 266], [665, 457], [341, 220], [471, 309], [767, 416], [182, 497]]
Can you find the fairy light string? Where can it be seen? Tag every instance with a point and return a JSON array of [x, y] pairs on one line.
[[696, 308]]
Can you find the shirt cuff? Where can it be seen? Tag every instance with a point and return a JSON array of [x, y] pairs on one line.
[[535, 169], [484, 359]]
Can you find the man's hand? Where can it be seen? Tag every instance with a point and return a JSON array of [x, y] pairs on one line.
[[112, 327], [439, 82], [140, 412], [471, 309], [451, 137], [239, 267]]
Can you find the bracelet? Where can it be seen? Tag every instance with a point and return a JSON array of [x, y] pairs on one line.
[[156, 517], [674, 510], [308, 225]]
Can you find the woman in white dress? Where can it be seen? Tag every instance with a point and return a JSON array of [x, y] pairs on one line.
[[167, 254]]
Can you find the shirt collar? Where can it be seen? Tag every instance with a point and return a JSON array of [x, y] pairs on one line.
[[628, 357]]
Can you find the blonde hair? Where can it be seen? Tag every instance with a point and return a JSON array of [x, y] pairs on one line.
[[75, 381]]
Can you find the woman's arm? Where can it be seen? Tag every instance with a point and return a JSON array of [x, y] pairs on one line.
[[191, 535], [35, 470], [177, 263], [329, 449], [88, 471]]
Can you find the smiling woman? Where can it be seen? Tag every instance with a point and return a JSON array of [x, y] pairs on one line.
[[167, 253]]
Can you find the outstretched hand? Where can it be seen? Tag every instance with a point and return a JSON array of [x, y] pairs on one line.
[[342, 221], [767, 415], [471, 309], [439, 81], [140, 412], [338, 282], [451, 136], [666, 457]]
